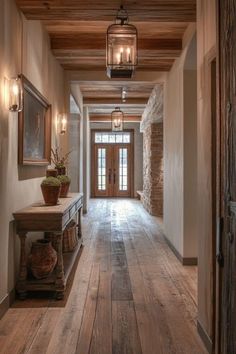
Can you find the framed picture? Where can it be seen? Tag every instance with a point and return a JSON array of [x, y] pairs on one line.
[[34, 129]]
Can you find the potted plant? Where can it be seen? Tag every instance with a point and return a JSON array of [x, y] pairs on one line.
[[65, 184], [60, 161], [50, 187]]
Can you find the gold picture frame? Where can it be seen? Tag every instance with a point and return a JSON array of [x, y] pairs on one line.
[[34, 127]]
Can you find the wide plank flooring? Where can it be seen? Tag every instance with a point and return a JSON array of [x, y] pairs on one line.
[[130, 294]]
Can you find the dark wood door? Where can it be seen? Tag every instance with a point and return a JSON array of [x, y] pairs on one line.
[[227, 256], [112, 170]]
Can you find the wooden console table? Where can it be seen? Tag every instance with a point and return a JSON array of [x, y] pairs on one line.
[[39, 217]]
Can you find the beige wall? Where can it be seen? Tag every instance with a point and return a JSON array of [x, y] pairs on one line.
[[75, 170], [179, 154], [206, 39], [21, 186], [190, 240]]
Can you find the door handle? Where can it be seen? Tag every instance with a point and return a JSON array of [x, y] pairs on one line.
[[219, 247], [109, 176], [114, 177]]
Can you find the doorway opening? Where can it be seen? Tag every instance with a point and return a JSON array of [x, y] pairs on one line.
[[112, 164]]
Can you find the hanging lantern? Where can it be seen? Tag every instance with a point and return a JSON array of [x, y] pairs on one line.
[[121, 54], [15, 94], [117, 120]]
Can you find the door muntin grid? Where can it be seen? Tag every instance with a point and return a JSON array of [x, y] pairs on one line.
[[112, 138], [101, 172]]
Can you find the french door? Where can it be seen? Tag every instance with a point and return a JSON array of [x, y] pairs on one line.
[[111, 173]]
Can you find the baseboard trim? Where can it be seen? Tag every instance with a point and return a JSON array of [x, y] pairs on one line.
[[6, 303], [186, 261], [204, 337]]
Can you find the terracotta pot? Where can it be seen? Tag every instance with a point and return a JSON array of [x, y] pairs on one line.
[[50, 194], [42, 259], [64, 189], [61, 170], [51, 172]]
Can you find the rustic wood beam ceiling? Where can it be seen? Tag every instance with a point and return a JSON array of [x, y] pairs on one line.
[[77, 30]]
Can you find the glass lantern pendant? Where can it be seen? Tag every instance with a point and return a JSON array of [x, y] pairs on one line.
[[121, 51], [117, 120]]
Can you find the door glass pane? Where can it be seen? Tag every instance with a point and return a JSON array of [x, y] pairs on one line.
[[101, 173], [126, 138], [119, 138], [123, 169], [112, 138]]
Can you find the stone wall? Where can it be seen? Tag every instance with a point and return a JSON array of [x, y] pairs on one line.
[[152, 198]]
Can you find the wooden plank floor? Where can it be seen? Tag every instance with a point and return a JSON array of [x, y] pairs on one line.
[[130, 294]]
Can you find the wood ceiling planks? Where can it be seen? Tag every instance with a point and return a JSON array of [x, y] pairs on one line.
[[103, 10], [78, 29], [88, 41], [151, 30], [84, 51]]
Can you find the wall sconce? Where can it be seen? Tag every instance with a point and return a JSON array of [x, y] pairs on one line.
[[62, 123], [15, 94]]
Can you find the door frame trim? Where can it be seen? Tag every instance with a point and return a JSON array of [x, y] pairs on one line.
[[92, 144]]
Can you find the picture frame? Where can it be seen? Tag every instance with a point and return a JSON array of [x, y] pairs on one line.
[[34, 127]]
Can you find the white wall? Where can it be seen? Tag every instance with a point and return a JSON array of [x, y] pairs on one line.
[[180, 154], [190, 239], [20, 186], [138, 151]]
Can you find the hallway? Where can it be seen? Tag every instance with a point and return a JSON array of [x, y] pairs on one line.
[[138, 297]]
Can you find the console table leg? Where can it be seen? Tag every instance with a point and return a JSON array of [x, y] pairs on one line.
[[79, 226], [60, 276], [21, 283]]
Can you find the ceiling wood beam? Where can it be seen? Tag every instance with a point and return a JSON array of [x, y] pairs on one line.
[[145, 30], [98, 42], [107, 118], [82, 10], [62, 54], [114, 100]]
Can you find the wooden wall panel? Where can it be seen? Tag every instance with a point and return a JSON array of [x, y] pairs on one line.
[[227, 54]]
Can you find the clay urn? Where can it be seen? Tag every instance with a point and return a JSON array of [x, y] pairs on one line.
[[42, 258]]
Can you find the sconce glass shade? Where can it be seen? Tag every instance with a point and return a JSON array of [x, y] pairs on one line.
[[121, 50], [62, 123], [15, 94], [117, 120]]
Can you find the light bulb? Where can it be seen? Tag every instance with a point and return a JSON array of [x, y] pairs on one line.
[[15, 89]]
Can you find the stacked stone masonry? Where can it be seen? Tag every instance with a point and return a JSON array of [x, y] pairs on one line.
[[152, 198]]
